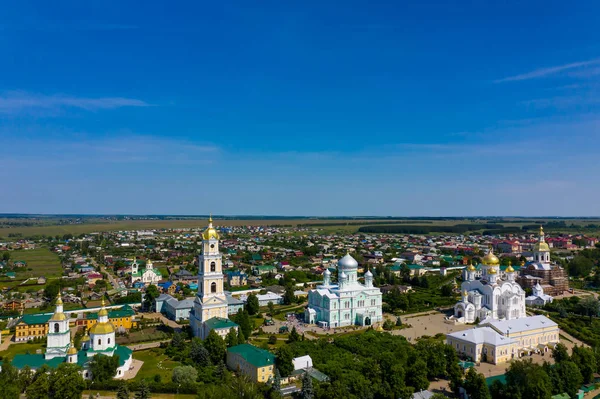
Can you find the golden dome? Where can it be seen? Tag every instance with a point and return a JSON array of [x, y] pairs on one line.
[[510, 269], [85, 338], [59, 299], [490, 259], [102, 328], [210, 232], [471, 268], [72, 350], [465, 293], [541, 247], [58, 316], [103, 311], [492, 271]]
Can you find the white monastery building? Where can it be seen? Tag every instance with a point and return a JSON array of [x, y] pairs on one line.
[[346, 303]]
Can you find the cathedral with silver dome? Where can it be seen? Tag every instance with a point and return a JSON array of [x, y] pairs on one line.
[[346, 303], [490, 298]]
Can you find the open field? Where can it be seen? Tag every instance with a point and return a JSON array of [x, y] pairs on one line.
[[329, 225], [155, 362], [41, 261]]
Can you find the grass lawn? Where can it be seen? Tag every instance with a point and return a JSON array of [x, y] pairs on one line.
[[155, 362], [23, 348], [110, 394], [163, 271], [42, 261]]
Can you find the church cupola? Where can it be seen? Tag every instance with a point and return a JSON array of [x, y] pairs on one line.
[[465, 296], [471, 270], [492, 275], [343, 280], [510, 273], [72, 353], [541, 250], [326, 277], [369, 279]]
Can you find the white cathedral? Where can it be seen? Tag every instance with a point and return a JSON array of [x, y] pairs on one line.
[[346, 303], [210, 306], [61, 349], [490, 298]]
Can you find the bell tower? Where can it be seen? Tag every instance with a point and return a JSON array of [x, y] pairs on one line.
[[210, 301]]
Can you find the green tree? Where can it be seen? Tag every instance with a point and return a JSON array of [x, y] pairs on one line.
[[271, 308], [242, 319], [241, 337], [40, 387], [216, 347], [25, 378], [307, 391], [446, 290], [252, 305], [178, 341], [559, 353], [476, 386], [104, 368], [184, 375], [272, 339], [580, 266], [232, 339], [294, 336], [527, 380], [283, 360], [416, 376], [590, 306], [288, 296], [571, 378], [123, 392], [586, 361], [66, 382], [143, 391], [199, 354], [5, 256], [149, 296], [8, 375]]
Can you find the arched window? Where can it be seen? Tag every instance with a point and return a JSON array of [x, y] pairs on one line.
[[99, 341], [109, 341], [213, 266], [213, 287], [56, 327]]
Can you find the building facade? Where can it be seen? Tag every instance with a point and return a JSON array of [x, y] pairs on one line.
[[541, 270], [123, 319], [500, 341], [31, 326], [258, 364], [347, 303], [210, 301], [490, 298]]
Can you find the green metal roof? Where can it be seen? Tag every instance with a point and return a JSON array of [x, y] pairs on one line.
[[218, 323], [32, 319], [253, 355], [37, 361], [114, 314], [501, 378], [561, 396]]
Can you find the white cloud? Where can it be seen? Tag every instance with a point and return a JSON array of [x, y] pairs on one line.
[[543, 72], [15, 102]]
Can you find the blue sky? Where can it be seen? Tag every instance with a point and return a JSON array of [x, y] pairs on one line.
[[300, 108]]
